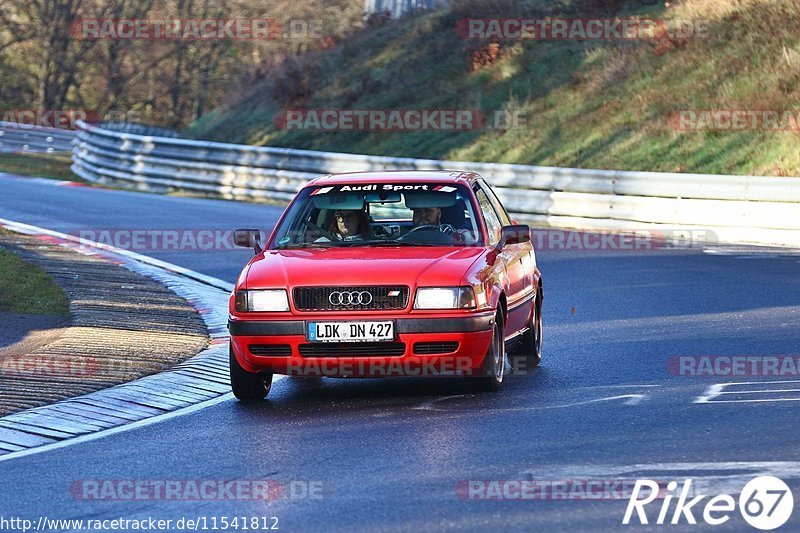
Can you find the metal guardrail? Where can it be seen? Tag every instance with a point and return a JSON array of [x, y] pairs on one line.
[[747, 209], [21, 138], [16, 137], [138, 128]]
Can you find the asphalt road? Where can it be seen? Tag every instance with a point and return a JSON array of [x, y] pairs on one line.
[[389, 454]]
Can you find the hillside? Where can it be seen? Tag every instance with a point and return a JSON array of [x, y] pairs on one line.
[[586, 103]]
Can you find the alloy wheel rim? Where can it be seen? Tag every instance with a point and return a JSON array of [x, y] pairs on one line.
[[497, 355], [538, 330]]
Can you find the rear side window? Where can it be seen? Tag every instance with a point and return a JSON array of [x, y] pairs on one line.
[[493, 223], [501, 211]]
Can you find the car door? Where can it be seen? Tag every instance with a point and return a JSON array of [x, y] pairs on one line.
[[517, 282], [519, 268]]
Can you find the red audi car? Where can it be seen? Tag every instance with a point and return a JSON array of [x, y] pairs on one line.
[[403, 273]]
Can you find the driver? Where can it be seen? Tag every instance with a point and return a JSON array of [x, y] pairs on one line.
[[427, 216], [432, 216]]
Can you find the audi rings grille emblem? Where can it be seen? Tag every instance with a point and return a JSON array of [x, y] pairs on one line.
[[350, 298]]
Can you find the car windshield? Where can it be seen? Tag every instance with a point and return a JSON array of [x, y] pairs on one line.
[[380, 214]]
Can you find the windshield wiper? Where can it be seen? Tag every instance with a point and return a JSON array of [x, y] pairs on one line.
[[306, 245], [347, 244], [398, 243], [324, 244]]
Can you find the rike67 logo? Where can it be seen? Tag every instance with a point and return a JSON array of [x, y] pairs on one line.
[[765, 503]]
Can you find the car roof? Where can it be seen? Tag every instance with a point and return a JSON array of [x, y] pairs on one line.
[[393, 176]]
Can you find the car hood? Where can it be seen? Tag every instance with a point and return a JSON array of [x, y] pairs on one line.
[[427, 266]]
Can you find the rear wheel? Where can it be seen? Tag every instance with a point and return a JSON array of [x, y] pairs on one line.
[[490, 374], [247, 386], [528, 354]]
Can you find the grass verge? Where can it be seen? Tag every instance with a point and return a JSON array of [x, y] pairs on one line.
[[26, 288], [586, 103], [55, 166]]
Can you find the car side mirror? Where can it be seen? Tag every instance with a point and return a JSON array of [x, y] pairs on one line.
[[248, 238], [516, 234]]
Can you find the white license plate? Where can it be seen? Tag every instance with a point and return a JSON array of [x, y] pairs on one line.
[[350, 331]]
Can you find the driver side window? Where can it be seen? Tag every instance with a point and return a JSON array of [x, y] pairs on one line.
[[493, 224]]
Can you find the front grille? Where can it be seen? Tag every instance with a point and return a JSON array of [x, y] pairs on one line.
[[352, 349], [428, 348], [271, 350], [361, 298]]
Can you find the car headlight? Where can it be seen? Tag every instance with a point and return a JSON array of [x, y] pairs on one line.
[[271, 300], [445, 298]]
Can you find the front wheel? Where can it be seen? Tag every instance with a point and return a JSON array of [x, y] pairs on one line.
[[247, 386], [490, 374]]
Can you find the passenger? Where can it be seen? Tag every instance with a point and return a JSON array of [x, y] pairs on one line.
[[348, 225]]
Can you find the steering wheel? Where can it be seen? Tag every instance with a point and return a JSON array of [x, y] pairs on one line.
[[447, 229], [325, 233], [436, 233]]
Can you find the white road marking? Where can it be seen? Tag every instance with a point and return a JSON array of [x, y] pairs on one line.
[[771, 382], [758, 400], [789, 469], [759, 391], [718, 389], [632, 399], [633, 386], [753, 251]]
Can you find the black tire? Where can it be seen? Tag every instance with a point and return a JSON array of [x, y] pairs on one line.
[[528, 353], [247, 386], [490, 374]]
